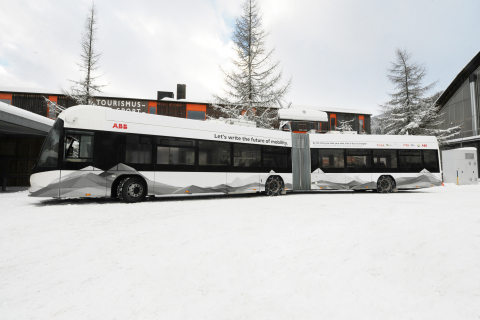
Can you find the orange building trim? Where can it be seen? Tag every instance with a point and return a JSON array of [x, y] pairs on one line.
[[362, 119], [197, 107], [7, 96], [152, 104]]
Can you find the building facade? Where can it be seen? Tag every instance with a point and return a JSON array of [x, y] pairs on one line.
[[459, 106]]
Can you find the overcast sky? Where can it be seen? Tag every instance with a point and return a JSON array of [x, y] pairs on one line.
[[335, 51]]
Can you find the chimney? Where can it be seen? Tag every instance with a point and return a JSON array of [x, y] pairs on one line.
[[164, 94], [181, 91]]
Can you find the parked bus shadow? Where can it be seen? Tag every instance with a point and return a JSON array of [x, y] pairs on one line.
[[197, 197]]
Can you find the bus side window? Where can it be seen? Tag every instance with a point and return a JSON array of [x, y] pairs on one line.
[[275, 157], [174, 151], [331, 158], [138, 150], [410, 160], [385, 159], [430, 160], [246, 155], [78, 146], [214, 153], [359, 159]]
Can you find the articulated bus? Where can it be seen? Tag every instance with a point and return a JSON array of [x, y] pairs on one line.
[[94, 151]]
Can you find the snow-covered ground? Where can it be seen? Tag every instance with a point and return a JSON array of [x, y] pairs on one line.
[[409, 255]]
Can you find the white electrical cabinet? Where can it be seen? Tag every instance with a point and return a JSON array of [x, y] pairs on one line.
[[460, 163]]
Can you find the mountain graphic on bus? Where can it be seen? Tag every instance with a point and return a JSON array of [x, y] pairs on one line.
[[93, 182], [424, 179]]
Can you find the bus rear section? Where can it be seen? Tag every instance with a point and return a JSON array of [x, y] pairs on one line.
[[381, 163]]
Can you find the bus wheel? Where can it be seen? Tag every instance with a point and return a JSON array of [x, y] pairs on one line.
[[274, 186], [385, 184], [131, 189]]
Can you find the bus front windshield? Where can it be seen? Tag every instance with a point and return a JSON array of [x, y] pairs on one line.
[[49, 154]]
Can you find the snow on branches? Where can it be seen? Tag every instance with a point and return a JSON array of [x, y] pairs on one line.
[[345, 125], [253, 87], [409, 112]]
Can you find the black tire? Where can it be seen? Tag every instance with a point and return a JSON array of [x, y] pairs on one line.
[[131, 189], [120, 188], [385, 184], [274, 186]]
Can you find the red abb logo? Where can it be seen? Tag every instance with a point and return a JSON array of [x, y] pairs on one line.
[[120, 126]]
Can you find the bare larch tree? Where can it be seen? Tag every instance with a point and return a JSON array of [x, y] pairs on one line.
[[253, 87], [83, 91], [409, 111]]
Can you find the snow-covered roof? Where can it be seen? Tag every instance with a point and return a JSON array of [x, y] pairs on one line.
[[185, 100], [334, 109], [302, 115], [25, 114], [467, 149]]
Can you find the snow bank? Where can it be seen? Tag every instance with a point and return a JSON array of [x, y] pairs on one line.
[[409, 255]]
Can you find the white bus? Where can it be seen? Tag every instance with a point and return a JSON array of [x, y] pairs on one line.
[[100, 152]]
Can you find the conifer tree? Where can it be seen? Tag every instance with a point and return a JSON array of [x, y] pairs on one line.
[[409, 111], [255, 83], [83, 91]]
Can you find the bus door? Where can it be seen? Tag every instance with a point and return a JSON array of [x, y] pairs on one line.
[[301, 162], [79, 177]]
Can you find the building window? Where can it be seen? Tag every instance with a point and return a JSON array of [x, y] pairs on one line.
[[196, 115]]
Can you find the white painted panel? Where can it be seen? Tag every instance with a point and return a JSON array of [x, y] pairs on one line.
[[193, 182], [42, 179], [243, 182], [328, 181]]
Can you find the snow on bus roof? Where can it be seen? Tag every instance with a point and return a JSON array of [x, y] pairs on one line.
[[333, 109], [25, 114], [302, 115], [373, 138], [166, 99]]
